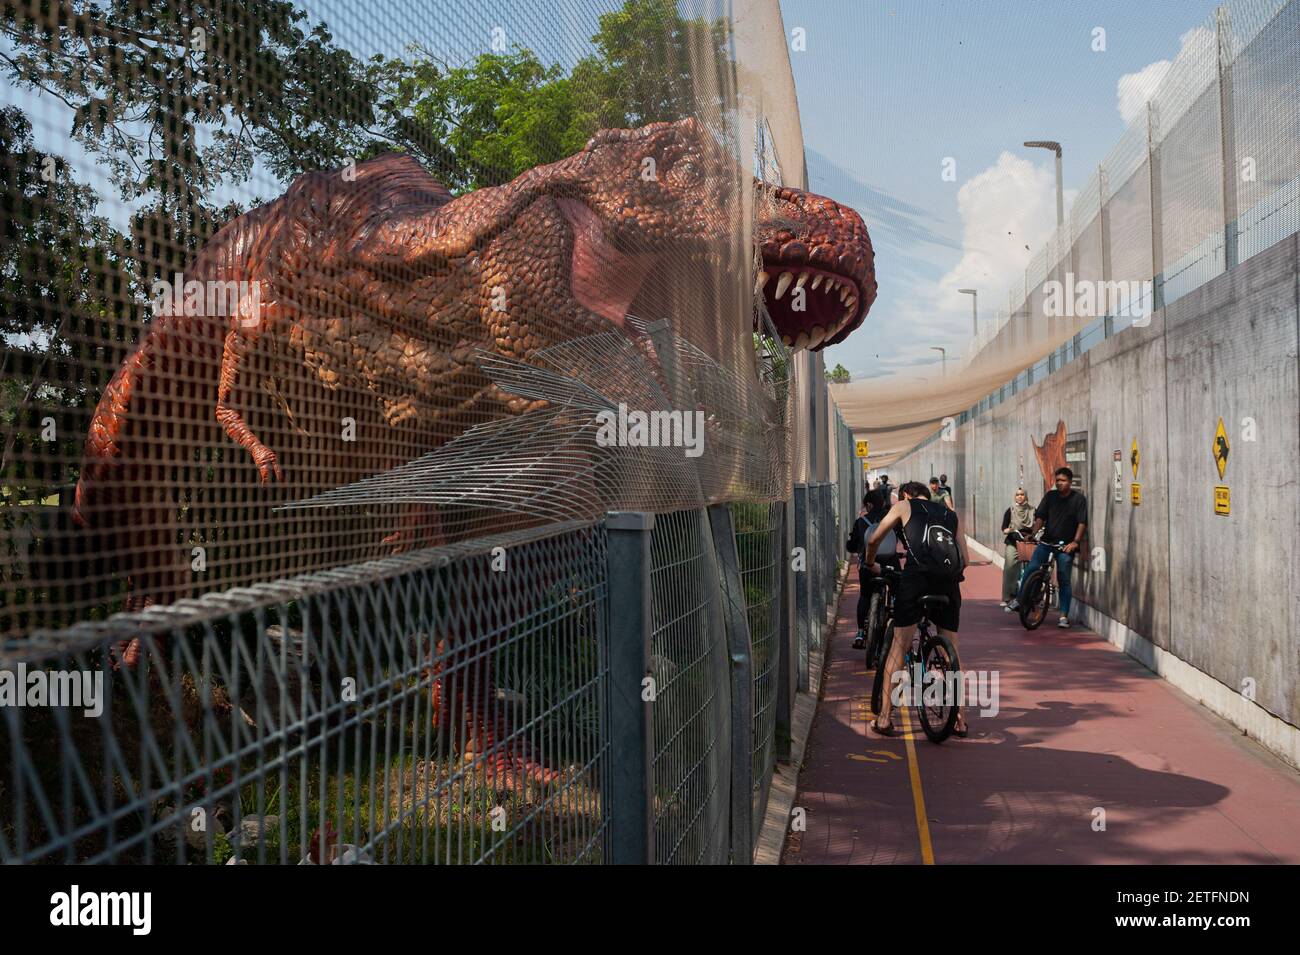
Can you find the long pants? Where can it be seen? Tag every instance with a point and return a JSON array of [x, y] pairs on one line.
[[1012, 565], [1064, 564]]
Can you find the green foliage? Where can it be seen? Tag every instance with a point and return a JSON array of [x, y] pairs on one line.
[[839, 375]]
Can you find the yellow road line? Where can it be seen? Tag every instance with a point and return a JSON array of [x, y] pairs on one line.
[[918, 798]]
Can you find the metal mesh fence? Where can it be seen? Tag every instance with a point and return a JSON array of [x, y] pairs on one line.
[[691, 714], [420, 709], [758, 550], [267, 255], [1207, 176], [1204, 178], [327, 330]]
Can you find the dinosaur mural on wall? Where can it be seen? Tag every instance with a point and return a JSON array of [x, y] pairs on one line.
[[1050, 454]]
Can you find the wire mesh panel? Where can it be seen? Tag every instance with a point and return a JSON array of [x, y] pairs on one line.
[[759, 551], [261, 252], [1266, 122], [447, 707], [691, 709]]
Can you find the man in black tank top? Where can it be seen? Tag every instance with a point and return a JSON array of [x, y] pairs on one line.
[[910, 516]]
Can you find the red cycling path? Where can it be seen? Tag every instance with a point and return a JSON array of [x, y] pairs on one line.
[[1081, 727]]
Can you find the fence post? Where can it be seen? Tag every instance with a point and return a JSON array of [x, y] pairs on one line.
[[787, 673], [1157, 214], [631, 728], [1228, 142], [740, 653], [1103, 221], [802, 614]]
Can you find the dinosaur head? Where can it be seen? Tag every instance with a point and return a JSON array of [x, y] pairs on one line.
[[818, 274], [633, 194]]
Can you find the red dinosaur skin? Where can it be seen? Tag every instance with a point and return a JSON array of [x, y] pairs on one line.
[[378, 282]]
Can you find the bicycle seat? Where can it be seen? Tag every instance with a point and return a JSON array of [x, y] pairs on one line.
[[937, 600]]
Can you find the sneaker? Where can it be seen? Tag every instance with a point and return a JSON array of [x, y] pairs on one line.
[[1012, 607], [1064, 622], [859, 641], [1002, 603]]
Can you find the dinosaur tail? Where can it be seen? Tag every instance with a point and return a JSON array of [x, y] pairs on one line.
[[145, 427]]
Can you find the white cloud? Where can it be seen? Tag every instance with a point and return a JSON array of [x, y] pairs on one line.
[[1134, 89], [1007, 212]]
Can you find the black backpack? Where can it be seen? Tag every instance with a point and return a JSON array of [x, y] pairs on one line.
[[936, 552]]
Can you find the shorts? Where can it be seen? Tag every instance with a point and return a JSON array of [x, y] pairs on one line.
[[915, 584]]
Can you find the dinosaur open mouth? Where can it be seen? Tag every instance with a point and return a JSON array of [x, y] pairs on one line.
[[808, 305]]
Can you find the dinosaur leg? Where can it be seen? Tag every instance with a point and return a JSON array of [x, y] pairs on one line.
[[464, 699], [231, 357], [503, 752]]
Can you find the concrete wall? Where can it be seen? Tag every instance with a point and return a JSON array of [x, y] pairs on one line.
[[1221, 593]]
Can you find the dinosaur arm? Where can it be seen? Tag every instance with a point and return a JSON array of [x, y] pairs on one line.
[[232, 355]]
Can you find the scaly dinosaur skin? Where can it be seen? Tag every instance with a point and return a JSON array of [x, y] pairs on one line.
[[379, 282]]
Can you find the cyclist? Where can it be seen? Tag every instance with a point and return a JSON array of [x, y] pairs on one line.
[[1063, 518], [940, 494], [875, 505], [935, 562]]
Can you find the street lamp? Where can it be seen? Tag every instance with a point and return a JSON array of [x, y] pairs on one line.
[[943, 355], [1060, 194], [974, 310]]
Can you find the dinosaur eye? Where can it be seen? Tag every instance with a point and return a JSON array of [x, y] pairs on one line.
[[687, 172]]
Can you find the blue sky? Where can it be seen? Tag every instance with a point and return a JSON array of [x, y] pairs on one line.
[[889, 88]]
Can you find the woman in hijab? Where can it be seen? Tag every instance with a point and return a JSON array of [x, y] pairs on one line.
[[1016, 524]]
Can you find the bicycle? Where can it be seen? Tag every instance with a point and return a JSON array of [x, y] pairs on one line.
[[935, 653], [880, 610], [1040, 590]]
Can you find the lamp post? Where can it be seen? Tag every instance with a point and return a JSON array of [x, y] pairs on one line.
[[974, 310], [1060, 192], [943, 356]]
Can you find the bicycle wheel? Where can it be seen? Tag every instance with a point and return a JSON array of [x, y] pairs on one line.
[[875, 630], [1033, 608], [878, 684], [939, 703]]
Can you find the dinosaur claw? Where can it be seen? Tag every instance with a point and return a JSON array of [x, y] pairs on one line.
[[267, 464]]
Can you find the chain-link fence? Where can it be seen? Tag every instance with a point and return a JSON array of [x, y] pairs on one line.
[[1206, 176], [336, 343], [447, 707]]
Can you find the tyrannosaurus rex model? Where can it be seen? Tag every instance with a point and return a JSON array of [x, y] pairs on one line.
[[381, 287], [365, 295]]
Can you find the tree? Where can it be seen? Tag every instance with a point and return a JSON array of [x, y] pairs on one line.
[[838, 375]]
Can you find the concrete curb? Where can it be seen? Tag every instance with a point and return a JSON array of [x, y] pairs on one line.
[[785, 780], [1276, 735]]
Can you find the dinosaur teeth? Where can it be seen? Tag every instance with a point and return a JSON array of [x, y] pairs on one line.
[[782, 284], [803, 277], [817, 280], [844, 293], [787, 340], [816, 336], [801, 341], [762, 280]]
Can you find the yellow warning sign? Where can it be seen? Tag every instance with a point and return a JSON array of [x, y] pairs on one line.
[[1220, 452], [865, 465], [1134, 456], [1135, 493], [862, 449], [1222, 499]]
